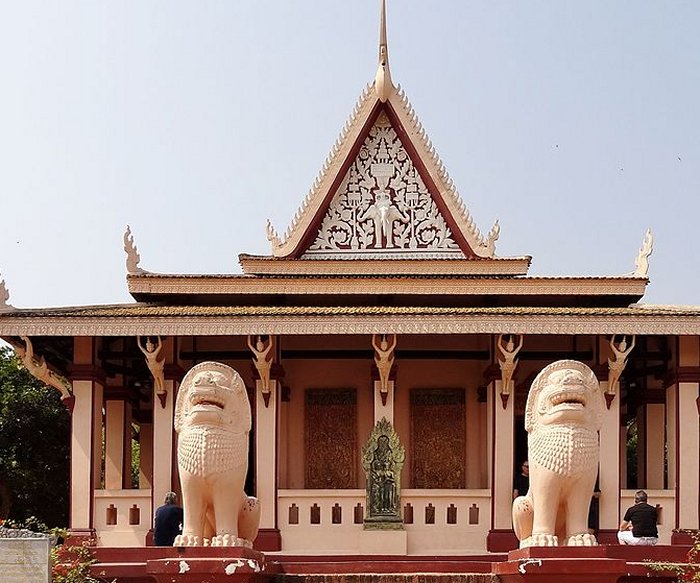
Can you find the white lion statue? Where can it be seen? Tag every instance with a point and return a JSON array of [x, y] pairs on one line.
[[563, 415], [212, 419]]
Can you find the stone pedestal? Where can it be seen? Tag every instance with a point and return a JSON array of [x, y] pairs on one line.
[[383, 542], [601, 564], [234, 565]]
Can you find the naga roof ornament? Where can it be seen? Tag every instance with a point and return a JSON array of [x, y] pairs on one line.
[[641, 264], [132, 254], [4, 296], [383, 192]]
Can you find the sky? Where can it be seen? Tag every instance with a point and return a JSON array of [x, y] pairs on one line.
[[575, 123]]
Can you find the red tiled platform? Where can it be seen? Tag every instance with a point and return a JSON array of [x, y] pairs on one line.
[[604, 564]]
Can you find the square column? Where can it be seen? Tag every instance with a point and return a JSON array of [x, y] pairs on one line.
[[655, 418], [146, 465], [687, 429], [117, 444], [163, 438], [84, 455], [380, 409], [501, 537], [688, 457], [609, 469], [86, 436], [266, 454]]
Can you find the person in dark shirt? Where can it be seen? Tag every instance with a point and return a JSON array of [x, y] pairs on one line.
[[521, 484], [638, 526], [168, 522]]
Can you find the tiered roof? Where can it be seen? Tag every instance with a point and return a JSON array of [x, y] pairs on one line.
[[383, 234]]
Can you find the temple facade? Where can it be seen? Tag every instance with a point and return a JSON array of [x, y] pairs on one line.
[[383, 300]]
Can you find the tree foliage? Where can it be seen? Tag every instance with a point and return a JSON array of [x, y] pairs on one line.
[[34, 446]]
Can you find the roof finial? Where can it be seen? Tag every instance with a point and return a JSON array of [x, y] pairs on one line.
[[382, 82]]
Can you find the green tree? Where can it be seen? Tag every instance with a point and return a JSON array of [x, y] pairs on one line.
[[34, 447]]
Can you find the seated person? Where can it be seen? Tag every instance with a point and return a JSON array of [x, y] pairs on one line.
[[168, 522], [639, 524]]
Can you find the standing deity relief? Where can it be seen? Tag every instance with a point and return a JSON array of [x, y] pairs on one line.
[[382, 206]]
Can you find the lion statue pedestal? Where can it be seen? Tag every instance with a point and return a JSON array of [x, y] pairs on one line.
[[563, 415]]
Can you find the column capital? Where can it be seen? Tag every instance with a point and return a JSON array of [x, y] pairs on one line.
[[682, 374], [87, 372]]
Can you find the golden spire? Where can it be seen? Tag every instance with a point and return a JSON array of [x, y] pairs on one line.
[[382, 82]]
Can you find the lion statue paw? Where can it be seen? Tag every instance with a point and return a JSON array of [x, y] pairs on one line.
[[186, 540], [583, 539], [540, 540], [227, 540]]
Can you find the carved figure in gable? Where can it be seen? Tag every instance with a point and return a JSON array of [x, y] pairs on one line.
[[383, 457], [263, 364], [213, 420], [563, 415], [155, 364], [383, 206], [384, 360]]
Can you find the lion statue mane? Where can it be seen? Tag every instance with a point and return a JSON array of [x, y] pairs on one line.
[[563, 415], [213, 420]]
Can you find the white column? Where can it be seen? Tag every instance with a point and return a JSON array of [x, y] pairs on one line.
[[610, 464], [146, 465], [655, 446], [688, 485], [502, 477], [671, 421], [475, 439], [81, 456], [163, 443], [266, 454], [114, 444]]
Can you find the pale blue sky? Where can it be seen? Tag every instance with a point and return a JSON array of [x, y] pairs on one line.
[[577, 124]]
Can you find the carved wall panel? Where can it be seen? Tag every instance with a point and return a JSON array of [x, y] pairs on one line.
[[330, 444], [382, 207], [438, 438]]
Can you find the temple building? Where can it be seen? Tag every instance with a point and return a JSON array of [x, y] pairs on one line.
[[383, 300]]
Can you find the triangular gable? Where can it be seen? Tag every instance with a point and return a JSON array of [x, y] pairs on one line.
[[382, 208], [383, 191], [384, 178]]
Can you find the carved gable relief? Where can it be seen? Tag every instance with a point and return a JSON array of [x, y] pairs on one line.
[[438, 438], [330, 422], [382, 208]]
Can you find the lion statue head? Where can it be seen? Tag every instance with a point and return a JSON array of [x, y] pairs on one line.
[[565, 392], [213, 394]]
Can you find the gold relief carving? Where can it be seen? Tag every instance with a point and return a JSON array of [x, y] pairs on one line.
[[330, 446], [438, 438]]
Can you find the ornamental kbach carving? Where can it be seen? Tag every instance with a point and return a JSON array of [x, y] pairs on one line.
[[382, 208]]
